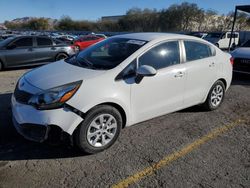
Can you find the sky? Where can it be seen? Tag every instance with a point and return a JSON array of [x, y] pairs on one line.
[[95, 9]]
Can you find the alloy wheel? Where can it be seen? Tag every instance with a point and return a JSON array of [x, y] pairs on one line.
[[217, 95], [101, 130]]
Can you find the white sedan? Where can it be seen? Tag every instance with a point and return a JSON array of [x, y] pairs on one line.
[[116, 83]]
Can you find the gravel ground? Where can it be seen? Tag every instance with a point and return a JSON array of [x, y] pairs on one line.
[[221, 162]]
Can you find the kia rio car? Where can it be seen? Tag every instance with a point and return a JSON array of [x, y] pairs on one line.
[[116, 83]]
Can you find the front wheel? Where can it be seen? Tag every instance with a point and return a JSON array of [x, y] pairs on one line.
[[215, 96], [99, 130]]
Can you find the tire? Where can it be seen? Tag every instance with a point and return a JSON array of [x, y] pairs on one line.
[[1, 66], [215, 96], [61, 56], [91, 136], [233, 46]]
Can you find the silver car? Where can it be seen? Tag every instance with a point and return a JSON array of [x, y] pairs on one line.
[[32, 50]]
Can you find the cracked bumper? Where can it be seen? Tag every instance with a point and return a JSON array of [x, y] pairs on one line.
[[35, 124]]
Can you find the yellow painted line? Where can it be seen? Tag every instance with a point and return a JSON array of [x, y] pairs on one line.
[[176, 155]]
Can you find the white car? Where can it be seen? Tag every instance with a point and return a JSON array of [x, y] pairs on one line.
[[119, 82], [222, 39]]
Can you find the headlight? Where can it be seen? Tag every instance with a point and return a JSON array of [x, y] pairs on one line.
[[55, 97]]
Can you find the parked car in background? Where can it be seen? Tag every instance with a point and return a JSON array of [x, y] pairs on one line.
[[101, 35], [65, 40], [119, 82], [221, 39], [197, 34], [32, 50], [241, 58], [68, 37], [87, 41]]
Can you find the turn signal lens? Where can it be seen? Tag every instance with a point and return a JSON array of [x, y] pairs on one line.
[[68, 95]]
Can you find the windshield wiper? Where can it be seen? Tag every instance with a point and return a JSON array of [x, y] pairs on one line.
[[86, 62]]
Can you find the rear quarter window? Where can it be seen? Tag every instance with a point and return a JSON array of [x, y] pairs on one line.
[[197, 50]]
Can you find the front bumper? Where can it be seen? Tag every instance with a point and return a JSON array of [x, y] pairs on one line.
[[33, 132], [35, 124]]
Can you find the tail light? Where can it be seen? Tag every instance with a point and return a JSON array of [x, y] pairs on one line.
[[232, 61]]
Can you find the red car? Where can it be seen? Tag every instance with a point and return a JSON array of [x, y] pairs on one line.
[[86, 41]]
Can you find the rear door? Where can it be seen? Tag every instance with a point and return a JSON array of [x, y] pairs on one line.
[[22, 53], [45, 51], [201, 67]]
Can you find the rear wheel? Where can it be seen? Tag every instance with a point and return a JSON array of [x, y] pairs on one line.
[[1, 66], [215, 96], [99, 130], [61, 56]]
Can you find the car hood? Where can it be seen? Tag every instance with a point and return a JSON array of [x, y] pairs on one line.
[[242, 52], [59, 73]]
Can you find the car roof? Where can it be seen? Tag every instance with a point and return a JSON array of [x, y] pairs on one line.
[[154, 36]]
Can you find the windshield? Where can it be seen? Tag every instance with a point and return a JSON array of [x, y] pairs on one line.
[[213, 35], [246, 44], [6, 41], [106, 54]]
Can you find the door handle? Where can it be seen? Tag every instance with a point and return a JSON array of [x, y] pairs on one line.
[[30, 49], [212, 64], [179, 74], [53, 48]]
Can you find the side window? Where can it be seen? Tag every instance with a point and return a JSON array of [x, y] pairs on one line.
[[44, 41], [233, 35], [24, 42], [196, 50], [162, 56]]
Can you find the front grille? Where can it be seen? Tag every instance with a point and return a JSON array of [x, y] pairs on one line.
[[21, 96], [242, 64]]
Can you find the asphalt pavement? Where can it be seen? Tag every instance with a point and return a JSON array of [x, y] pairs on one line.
[[189, 148]]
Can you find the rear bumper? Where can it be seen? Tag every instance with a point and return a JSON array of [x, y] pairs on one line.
[[241, 72]]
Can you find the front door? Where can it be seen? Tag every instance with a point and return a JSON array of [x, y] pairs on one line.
[[22, 54], [164, 92]]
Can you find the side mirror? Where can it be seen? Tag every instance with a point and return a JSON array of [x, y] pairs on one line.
[[144, 70], [10, 47]]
